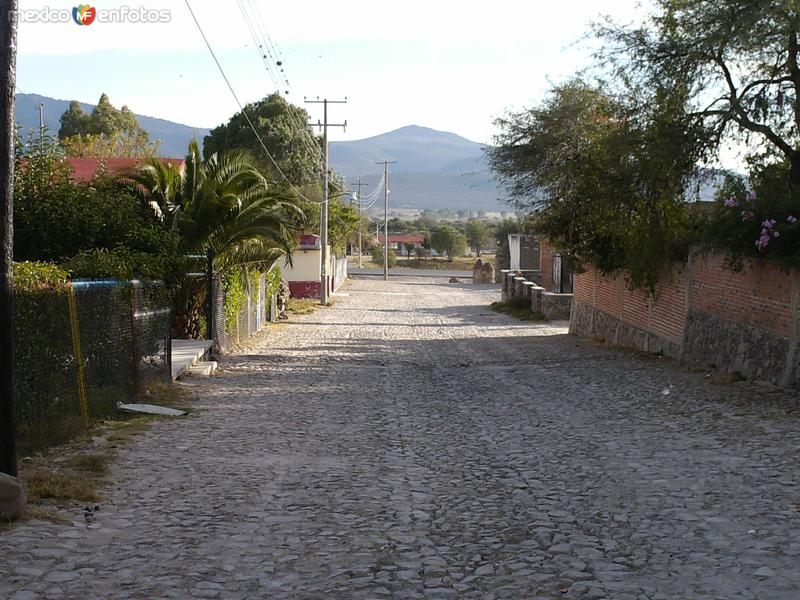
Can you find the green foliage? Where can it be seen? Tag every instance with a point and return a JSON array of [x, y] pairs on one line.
[[224, 205], [448, 240], [738, 60], [377, 256], [235, 298], [106, 132], [282, 127], [272, 281], [34, 276], [125, 263], [56, 219], [761, 222], [477, 234], [604, 181]]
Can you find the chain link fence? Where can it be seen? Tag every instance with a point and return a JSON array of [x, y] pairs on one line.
[[81, 349]]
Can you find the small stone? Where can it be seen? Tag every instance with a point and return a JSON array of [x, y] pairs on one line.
[[483, 570], [764, 572]]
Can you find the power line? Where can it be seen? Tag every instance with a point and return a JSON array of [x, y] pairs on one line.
[[238, 102], [253, 24]]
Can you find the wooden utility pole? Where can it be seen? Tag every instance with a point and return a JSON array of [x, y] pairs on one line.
[[324, 220], [386, 164], [8, 51]]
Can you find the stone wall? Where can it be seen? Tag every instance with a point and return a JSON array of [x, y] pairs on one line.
[[556, 307], [702, 313]]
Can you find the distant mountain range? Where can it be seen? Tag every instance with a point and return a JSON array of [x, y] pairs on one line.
[[434, 169], [174, 137]]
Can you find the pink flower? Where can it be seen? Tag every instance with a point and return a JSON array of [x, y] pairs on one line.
[[751, 195], [768, 223], [763, 241], [776, 234], [792, 219], [731, 202]]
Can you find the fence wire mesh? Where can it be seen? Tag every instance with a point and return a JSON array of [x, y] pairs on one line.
[[80, 350]]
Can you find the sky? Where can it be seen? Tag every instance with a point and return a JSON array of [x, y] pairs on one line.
[[452, 66]]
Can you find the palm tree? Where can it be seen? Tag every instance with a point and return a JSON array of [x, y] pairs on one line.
[[224, 207]]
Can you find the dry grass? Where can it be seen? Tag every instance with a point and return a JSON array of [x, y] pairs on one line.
[[70, 474], [301, 306], [45, 484], [89, 463]]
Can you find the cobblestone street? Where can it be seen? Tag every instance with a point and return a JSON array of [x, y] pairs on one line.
[[410, 443]]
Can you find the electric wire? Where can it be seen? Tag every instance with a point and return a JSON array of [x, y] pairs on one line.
[[238, 102], [254, 25]]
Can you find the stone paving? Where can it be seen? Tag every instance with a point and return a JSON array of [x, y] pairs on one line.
[[409, 443]]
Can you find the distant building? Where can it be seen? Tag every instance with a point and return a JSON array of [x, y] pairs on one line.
[[401, 244]]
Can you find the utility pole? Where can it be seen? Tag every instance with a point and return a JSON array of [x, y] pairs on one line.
[[359, 197], [324, 220], [40, 106], [386, 164], [8, 60]]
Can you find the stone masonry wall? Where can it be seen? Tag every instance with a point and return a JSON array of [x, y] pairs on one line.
[[702, 313]]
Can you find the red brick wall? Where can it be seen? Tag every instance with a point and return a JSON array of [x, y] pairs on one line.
[[760, 295], [547, 253]]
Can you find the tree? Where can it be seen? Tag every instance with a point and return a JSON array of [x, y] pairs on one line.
[[477, 234], [74, 121], [448, 240], [96, 229], [377, 256], [223, 205], [738, 60], [105, 132], [114, 145], [605, 179], [282, 127], [426, 244]]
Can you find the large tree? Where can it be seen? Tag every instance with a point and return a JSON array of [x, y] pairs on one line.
[[603, 178], [105, 132], [477, 234], [738, 58], [448, 240], [283, 129]]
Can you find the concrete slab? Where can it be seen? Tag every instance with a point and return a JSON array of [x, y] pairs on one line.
[[150, 409], [185, 353]]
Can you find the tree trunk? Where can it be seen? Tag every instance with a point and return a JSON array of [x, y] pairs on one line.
[[794, 174]]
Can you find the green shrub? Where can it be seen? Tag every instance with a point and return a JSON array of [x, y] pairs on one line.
[[33, 276], [763, 221], [377, 256]]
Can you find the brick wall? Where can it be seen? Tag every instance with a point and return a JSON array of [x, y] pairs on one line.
[[759, 295], [703, 313]]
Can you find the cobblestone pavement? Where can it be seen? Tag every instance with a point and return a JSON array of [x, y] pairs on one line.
[[409, 443]]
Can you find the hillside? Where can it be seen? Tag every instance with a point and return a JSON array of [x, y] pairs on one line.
[[435, 169], [174, 136]]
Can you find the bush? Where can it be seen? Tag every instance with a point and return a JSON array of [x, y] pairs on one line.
[[36, 276], [761, 222], [377, 256]]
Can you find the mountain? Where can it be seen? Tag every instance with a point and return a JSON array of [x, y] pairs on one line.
[[434, 169], [174, 137]]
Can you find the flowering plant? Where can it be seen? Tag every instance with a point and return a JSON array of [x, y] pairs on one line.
[[757, 220]]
